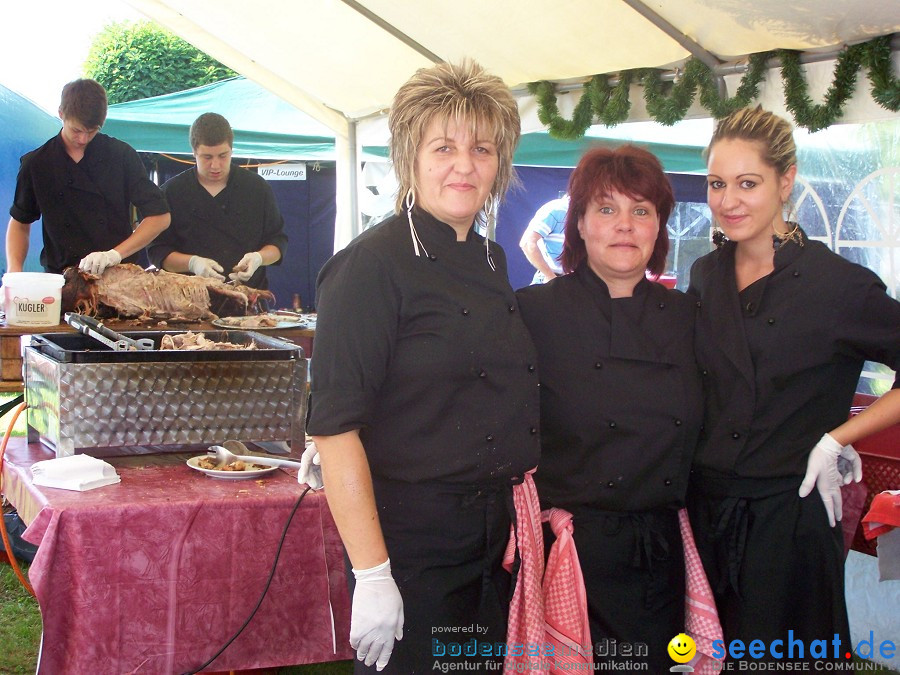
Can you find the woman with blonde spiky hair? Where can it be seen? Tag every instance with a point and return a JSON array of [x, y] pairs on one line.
[[424, 391]]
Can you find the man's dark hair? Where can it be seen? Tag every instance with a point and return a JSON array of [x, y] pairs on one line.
[[211, 129], [84, 100]]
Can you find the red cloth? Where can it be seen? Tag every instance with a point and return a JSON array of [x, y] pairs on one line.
[[701, 620], [526, 611], [883, 515], [154, 574], [565, 599]]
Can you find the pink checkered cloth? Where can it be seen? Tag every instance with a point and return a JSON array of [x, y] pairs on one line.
[[526, 611], [565, 599], [701, 620]]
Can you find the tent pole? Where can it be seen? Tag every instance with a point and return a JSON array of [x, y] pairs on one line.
[[353, 179], [347, 220]]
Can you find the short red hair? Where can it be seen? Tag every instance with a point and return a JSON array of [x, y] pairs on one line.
[[629, 170]]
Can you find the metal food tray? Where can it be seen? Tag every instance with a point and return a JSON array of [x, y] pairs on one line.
[[78, 348], [85, 397]]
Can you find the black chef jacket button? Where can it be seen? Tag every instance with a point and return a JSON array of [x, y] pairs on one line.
[[489, 438], [432, 257], [612, 425], [698, 304], [704, 372], [531, 368], [610, 484], [465, 312], [512, 308], [662, 305], [70, 181], [667, 482], [770, 321], [598, 365], [677, 423], [532, 430], [749, 307], [735, 435], [60, 195], [482, 373], [796, 273]]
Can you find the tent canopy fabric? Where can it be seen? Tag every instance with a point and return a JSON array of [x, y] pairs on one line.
[[25, 127], [342, 60], [265, 126]]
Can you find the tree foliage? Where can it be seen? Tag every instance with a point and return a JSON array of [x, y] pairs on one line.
[[135, 60]]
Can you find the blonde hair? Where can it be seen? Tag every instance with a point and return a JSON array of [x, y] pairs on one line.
[[774, 134], [464, 93]]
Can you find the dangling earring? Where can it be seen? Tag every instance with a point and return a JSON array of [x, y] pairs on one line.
[[793, 235], [718, 236], [410, 202], [490, 225]]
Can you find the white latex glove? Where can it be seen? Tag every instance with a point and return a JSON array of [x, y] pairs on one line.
[[850, 465], [310, 469], [822, 473], [376, 618], [247, 266], [205, 267], [95, 263]]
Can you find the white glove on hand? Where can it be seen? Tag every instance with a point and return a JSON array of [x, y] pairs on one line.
[[376, 618], [822, 472], [247, 266], [95, 263], [205, 267], [310, 469], [850, 465]]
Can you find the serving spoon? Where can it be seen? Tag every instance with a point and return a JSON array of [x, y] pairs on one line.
[[225, 456]]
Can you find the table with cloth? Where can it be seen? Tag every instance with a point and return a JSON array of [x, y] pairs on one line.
[[155, 573]]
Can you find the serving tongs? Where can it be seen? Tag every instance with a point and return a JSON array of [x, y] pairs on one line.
[[89, 326]]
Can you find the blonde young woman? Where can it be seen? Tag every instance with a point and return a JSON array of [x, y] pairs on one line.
[[784, 329], [424, 390]]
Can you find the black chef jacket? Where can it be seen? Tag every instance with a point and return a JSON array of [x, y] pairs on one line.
[[782, 359], [426, 355], [84, 206], [243, 217], [621, 400]]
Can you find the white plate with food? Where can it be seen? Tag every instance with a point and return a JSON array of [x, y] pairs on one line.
[[260, 322], [238, 470]]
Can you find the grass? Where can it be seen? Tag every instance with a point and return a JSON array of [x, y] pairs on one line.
[[20, 624], [19, 429]]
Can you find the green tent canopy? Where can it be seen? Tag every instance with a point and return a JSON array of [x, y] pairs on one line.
[[265, 126]]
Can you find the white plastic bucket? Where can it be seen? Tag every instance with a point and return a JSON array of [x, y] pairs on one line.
[[32, 298]]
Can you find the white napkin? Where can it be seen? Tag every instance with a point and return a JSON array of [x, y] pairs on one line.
[[76, 472]]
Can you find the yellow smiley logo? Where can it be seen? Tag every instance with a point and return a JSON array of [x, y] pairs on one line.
[[682, 648]]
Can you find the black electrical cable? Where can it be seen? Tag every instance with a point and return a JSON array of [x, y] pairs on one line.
[[265, 590]]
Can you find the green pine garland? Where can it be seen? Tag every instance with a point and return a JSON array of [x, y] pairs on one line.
[[668, 102]]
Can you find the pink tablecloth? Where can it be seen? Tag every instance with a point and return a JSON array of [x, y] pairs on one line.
[[154, 574]]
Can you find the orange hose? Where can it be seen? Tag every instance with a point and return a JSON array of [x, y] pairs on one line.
[[3, 533]]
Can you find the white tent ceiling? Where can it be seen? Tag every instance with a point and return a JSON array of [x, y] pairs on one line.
[[342, 60], [348, 57]]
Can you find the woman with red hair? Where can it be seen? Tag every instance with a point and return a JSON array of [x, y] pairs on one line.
[[621, 402]]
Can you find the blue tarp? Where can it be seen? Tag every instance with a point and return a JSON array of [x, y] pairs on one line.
[[25, 127]]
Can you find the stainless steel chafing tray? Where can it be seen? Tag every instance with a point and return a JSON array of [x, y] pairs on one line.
[[82, 395]]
